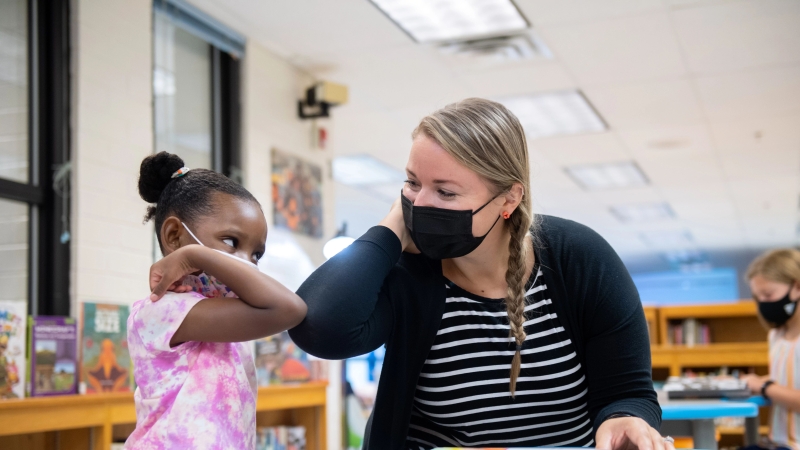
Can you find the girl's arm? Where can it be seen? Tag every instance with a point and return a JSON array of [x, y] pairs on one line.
[[264, 306], [785, 396]]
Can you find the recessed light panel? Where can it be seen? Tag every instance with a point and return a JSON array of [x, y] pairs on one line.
[[617, 175], [554, 114], [646, 212], [449, 20]]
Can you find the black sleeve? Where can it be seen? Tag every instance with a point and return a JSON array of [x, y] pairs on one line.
[[349, 313], [617, 344]]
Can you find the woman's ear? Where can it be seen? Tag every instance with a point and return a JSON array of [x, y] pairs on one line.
[[171, 235], [513, 197]]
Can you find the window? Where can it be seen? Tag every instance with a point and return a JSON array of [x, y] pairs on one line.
[[34, 155], [196, 87]]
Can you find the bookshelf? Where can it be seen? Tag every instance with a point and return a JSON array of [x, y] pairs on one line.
[[737, 338], [92, 421], [651, 316]]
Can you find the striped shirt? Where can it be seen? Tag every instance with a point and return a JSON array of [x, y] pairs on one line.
[[462, 397], [784, 362]]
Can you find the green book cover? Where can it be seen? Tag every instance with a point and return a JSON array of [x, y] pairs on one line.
[[105, 360]]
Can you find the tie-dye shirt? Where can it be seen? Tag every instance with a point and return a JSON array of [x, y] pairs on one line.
[[198, 395]]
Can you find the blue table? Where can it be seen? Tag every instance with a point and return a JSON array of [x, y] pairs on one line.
[[696, 418]]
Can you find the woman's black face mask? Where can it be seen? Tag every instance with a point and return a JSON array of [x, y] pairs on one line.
[[442, 233], [778, 312]]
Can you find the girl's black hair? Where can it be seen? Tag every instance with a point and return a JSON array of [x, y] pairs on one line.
[[187, 197]]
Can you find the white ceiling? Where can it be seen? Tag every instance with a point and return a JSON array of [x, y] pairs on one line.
[[703, 94]]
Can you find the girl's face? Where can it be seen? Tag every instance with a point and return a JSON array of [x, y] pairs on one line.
[[766, 290], [436, 179], [238, 227]]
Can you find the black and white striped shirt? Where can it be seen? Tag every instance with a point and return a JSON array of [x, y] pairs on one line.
[[463, 397]]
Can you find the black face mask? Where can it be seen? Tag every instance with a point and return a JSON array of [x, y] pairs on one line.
[[778, 312], [442, 233]]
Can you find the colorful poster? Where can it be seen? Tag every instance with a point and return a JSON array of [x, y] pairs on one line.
[[105, 361], [13, 331], [279, 360], [54, 356], [296, 194]]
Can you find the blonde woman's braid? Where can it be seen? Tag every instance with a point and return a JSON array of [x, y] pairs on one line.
[[516, 277]]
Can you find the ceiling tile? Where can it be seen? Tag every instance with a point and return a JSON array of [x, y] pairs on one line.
[[752, 94], [514, 79], [646, 105], [757, 134], [581, 149], [738, 35], [681, 141], [612, 51], [545, 12]]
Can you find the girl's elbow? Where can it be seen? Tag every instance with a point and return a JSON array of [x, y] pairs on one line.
[[297, 311]]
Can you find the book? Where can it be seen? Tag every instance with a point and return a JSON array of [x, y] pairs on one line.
[[54, 355], [281, 438], [279, 360], [105, 360], [13, 336]]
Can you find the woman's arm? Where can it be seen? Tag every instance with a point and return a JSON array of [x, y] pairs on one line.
[[349, 310], [264, 306]]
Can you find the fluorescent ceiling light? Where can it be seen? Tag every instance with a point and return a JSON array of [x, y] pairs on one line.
[[363, 170], [668, 239], [449, 20], [608, 175], [555, 113], [336, 245], [646, 212]]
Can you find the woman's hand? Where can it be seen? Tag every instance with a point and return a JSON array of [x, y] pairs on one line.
[[629, 433], [755, 382], [394, 221], [167, 274]]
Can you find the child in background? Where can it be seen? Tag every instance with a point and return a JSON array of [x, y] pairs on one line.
[[192, 364], [775, 282]]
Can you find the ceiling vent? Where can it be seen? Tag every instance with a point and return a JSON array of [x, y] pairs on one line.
[[520, 47]]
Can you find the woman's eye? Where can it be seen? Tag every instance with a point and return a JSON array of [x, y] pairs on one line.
[[411, 184], [230, 242], [446, 194]]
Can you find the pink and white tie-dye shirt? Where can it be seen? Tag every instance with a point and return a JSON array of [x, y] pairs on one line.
[[198, 395]]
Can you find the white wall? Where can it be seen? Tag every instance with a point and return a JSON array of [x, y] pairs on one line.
[[112, 133]]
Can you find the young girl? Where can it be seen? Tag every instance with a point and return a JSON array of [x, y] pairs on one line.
[[775, 281], [193, 367]]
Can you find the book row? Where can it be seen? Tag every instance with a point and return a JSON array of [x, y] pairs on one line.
[[281, 438], [48, 355]]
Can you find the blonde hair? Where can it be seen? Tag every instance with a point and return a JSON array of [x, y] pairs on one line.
[[488, 139], [782, 265]]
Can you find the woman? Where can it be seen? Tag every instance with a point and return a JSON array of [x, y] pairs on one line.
[[775, 282], [500, 330]]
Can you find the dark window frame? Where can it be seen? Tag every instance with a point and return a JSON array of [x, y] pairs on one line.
[[48, 151]]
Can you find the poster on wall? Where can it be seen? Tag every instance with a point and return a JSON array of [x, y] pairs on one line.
[[296, 194]]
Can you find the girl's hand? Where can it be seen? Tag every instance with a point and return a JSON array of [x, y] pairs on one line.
[[394, 221], [629, 433], [755, 382], [167, 274]]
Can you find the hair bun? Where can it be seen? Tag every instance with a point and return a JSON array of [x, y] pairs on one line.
[[155, 173]]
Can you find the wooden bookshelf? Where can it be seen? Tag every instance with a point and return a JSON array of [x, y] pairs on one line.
[[651, 316], [92, 421]]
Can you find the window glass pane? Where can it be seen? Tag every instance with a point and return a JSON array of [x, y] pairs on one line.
[[14, 90], [182, 89], [13, 250]]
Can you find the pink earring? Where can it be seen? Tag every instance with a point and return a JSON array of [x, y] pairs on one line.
[[506, 215]]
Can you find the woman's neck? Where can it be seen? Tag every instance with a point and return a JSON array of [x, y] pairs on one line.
[[485, 267]]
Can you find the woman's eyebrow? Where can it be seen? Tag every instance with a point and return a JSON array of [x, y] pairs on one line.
[[436, 181]]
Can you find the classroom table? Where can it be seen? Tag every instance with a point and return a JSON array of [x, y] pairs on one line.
[[696, 418]]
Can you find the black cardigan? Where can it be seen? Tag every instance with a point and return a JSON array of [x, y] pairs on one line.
[[372, 294]]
